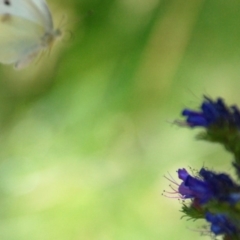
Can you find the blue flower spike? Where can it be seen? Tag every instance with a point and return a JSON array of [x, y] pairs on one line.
[[222, 225], [221, 124], [207, 194], [212, 196], [213, 114]]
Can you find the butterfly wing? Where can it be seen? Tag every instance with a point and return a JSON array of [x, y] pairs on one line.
[[33, 10], [20, 40], [26, 27]]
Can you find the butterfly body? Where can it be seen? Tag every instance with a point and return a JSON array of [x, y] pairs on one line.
[[26, 29]]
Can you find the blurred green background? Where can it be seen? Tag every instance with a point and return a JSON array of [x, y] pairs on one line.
[[86, 133]]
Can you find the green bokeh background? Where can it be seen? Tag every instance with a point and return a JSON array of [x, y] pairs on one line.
[[86, 133]]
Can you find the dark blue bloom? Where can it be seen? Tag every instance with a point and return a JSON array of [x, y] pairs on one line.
[[234, 197], [208, 186], [192, 187], [212, 113], [221, 186], [221, 225], [236, 115]]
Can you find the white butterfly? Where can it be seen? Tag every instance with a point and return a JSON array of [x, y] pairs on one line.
[[26, 28]]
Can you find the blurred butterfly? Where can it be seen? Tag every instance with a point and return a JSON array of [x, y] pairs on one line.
[[26, 29]]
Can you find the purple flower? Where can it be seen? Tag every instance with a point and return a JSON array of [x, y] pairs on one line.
[[221, 185], [192, 187], [222, 225], [212, 113], [208, 186]]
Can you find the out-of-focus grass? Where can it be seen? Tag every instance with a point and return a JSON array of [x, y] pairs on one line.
[[85, 134]]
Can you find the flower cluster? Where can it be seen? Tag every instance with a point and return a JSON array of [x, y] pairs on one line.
[[213, 196], [211, 190], [213, 114]]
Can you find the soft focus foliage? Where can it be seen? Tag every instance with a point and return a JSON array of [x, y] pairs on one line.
[[85, 133]]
